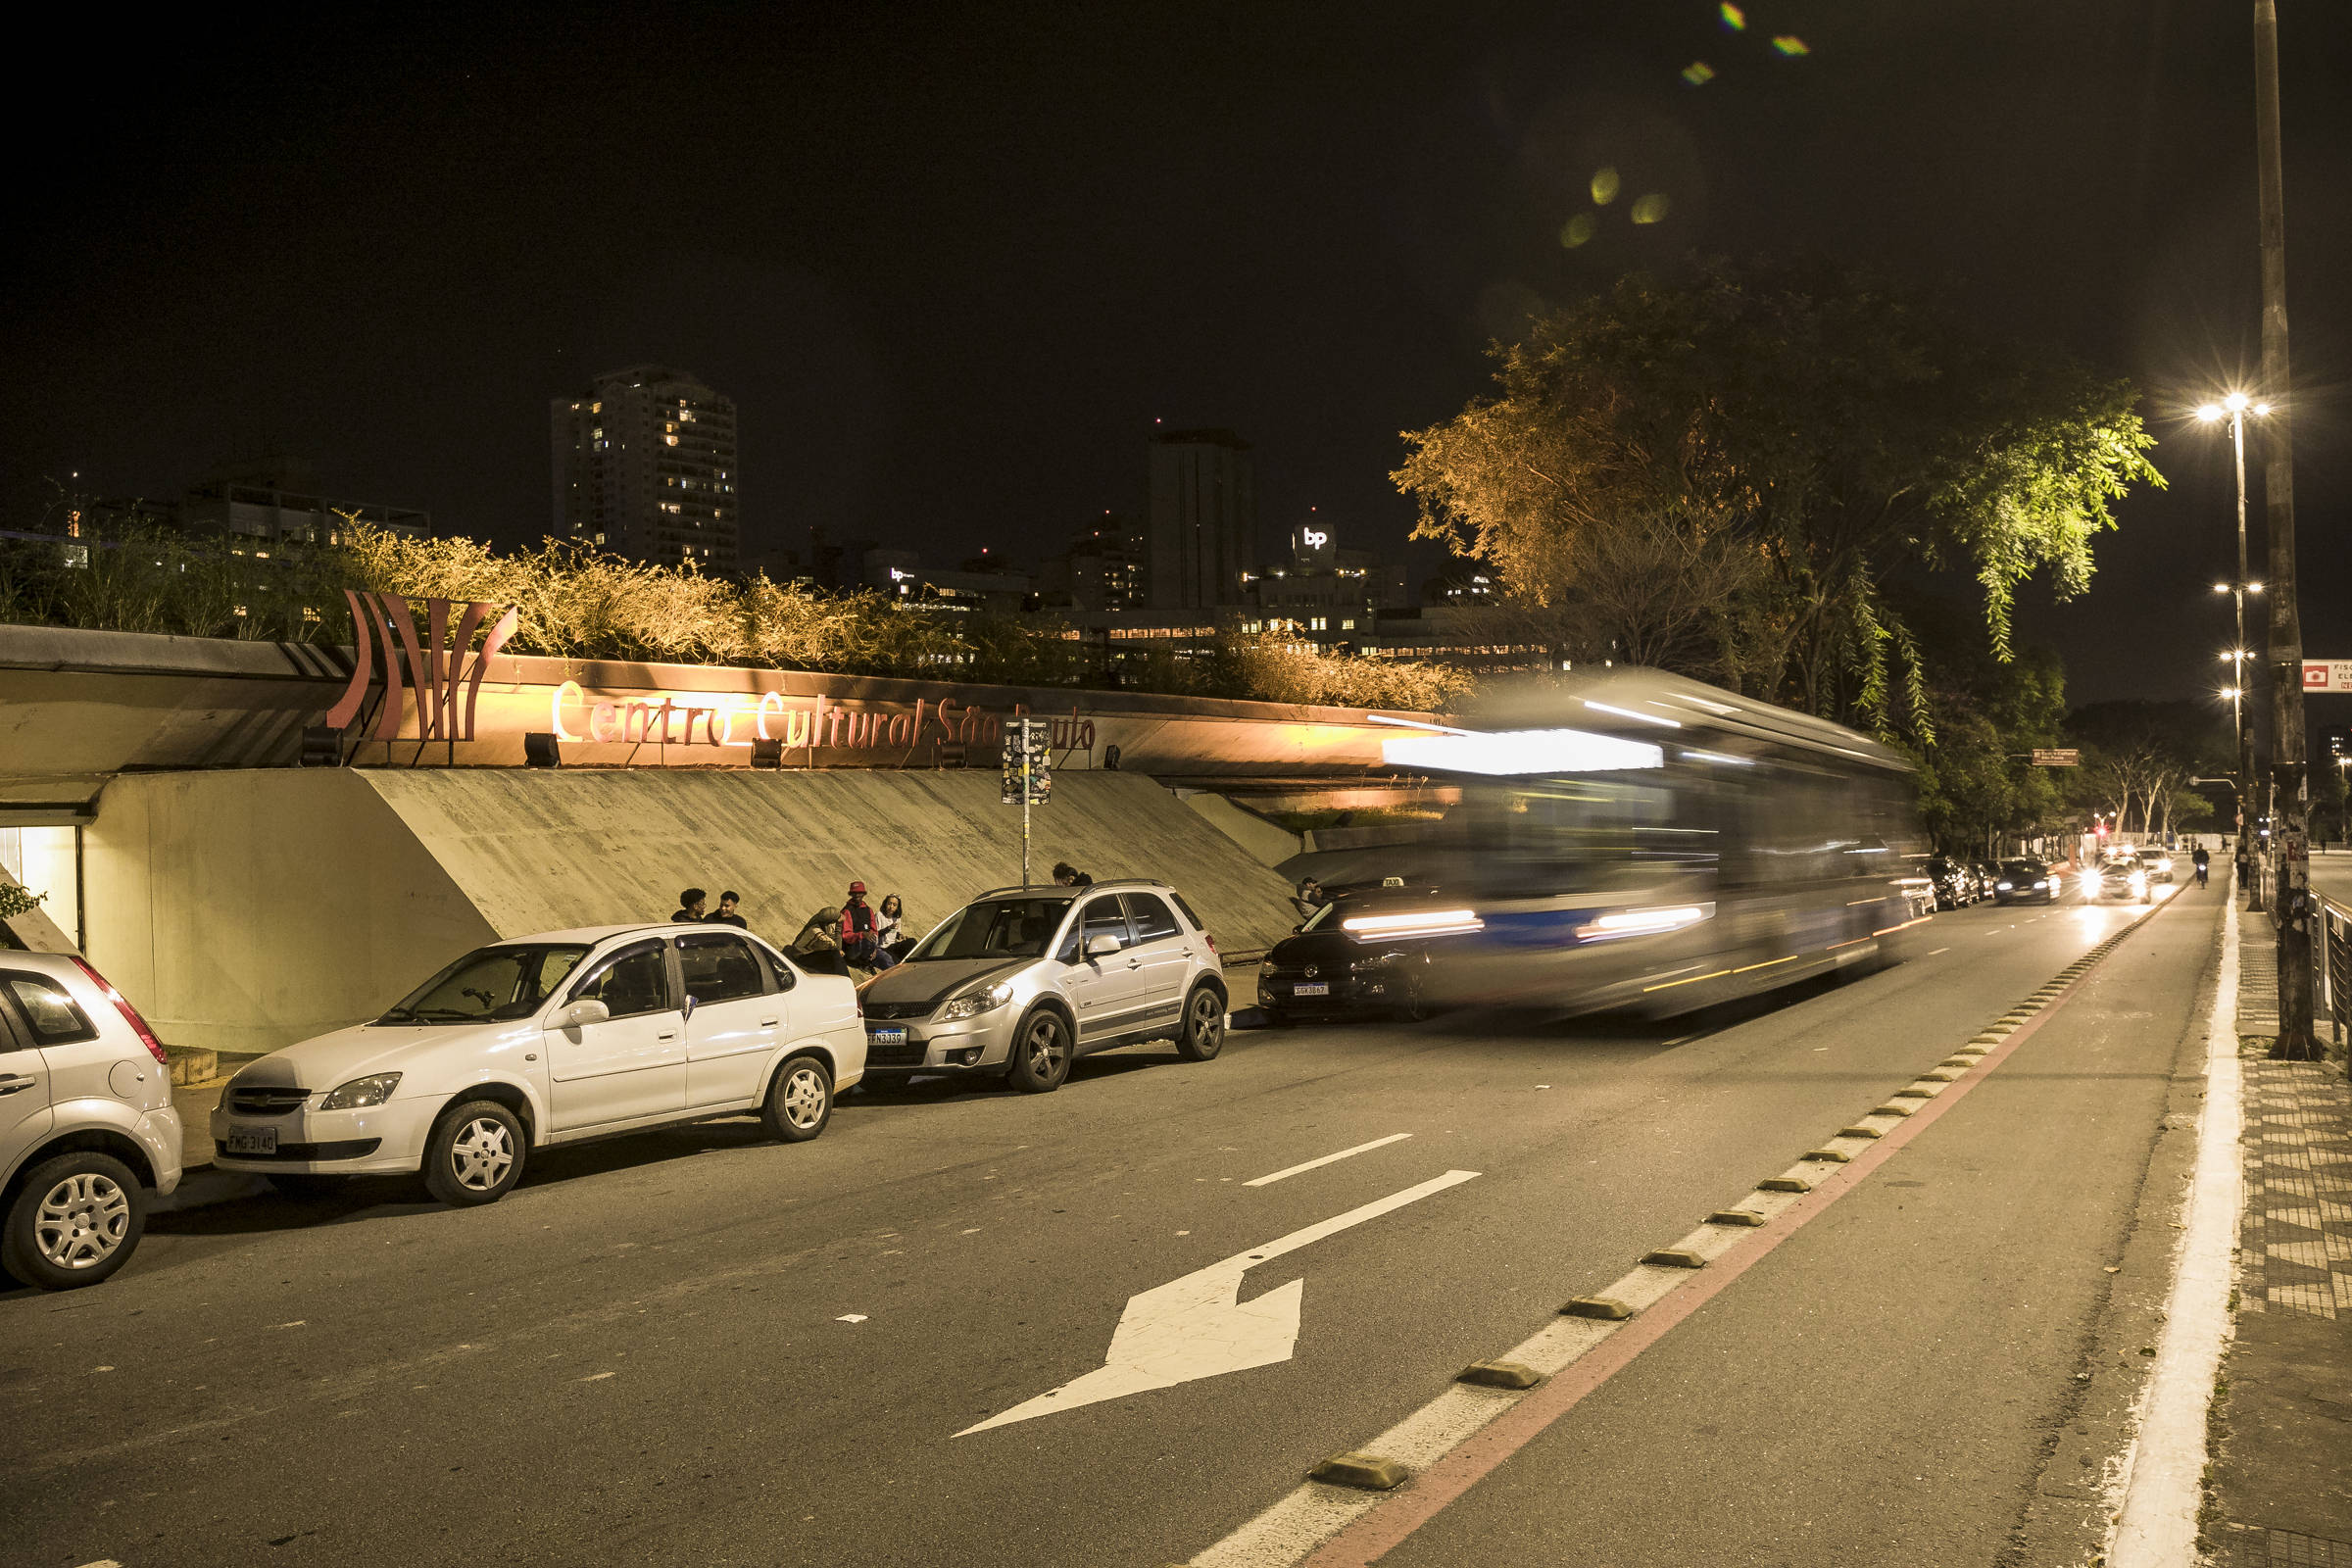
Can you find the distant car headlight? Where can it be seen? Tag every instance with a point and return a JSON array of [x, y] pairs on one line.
[[975, 1003], [2004, 887], [2139, 879], [361, 1093]]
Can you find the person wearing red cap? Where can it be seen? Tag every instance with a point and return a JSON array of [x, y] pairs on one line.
[[860, 942]]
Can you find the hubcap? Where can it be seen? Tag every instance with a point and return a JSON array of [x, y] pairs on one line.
[[1045, 1048], [82, 1221], [803, 1098], [482, 1154]]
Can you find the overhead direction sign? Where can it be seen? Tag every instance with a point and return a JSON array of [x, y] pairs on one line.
[[2057, 756], [2328, 674]]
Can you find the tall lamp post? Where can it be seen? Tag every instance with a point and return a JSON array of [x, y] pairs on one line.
[[2235, 408]]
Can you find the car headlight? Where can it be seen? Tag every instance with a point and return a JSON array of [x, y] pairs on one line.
[[361, 1093], [2003, 887], [2139, 879], [975, 1003]]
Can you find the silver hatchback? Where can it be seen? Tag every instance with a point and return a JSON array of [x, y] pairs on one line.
[[1021, 982]]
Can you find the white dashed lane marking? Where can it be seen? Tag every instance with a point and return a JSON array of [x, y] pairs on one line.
[[1292, 1170]]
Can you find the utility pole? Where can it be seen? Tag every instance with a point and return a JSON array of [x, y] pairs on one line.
[[2290, 791], [2245, 672]]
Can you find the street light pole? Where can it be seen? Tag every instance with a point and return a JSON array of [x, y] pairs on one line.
[[2245, 731], [2290, 789]]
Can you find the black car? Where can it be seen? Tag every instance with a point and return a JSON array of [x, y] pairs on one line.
[[2026, 881], [1955, 882], [1365, 954]]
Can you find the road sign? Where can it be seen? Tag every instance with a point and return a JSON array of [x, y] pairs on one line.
[[1199, 1326], [2057, 756], [2328, 674]]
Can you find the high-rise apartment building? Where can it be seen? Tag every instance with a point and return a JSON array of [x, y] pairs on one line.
[[645, 467], [1202, 524]]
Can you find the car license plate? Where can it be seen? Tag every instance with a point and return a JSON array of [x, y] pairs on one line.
[[887, 1037], [1312, 988], [252, 1140]]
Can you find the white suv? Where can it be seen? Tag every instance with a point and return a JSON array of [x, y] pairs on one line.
[[86, 1124], [547, 1040]]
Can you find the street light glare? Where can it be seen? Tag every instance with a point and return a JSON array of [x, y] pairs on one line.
[[2220, 587], [2262, 410], [2236, 402], [2209, 411]]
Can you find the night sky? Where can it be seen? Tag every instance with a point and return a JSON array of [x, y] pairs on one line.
[[952, 262]]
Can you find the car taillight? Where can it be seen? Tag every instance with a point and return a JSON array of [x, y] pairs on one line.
[[131, 1015], [1212, 941]]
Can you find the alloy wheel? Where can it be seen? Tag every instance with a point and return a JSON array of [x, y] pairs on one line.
[[481, 1153], [82, 1220], [1208, 1019], [1045, 1047]]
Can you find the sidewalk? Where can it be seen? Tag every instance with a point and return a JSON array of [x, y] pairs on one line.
[[2279, 1485]]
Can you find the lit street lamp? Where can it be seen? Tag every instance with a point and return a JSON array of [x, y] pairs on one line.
[[2235, 408]]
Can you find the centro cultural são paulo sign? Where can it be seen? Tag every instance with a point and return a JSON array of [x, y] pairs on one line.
[[447, 677]]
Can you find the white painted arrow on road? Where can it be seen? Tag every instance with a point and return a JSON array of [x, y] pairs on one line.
[[1197, 1325]]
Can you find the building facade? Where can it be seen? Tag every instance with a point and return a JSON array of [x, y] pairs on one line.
[[1203, 522], [643, 466]]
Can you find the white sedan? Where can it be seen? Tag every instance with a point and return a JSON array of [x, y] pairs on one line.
[[548, 1040]]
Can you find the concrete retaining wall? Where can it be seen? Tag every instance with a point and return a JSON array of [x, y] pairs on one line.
[[242, 911]]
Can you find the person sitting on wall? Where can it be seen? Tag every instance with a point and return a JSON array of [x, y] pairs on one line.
[[890, 928], [727, 912], [690, 906], [818, 949], [860, 942], [1066, 875]]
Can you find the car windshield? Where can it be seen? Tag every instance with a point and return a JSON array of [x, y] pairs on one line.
[[2024, 868], [995, 928], [491, 984]]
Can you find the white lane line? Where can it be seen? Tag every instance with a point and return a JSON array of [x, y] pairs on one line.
[[1931, 951], [1377, 1143], [2163, 1470]]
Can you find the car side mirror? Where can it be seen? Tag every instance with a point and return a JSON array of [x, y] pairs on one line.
[[580, 1014], [1102, 945], [688, 1009]]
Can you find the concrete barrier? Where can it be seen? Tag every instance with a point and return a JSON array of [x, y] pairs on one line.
[[244, 909]]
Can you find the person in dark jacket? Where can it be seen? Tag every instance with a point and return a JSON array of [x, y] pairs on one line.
[[2203, 863], [728, 914], [690, 906]]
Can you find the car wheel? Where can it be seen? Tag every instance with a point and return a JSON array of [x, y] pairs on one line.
[[474, 1155], [799, 1101], [76, 1219], [1041, 1053], [1204, 1031]]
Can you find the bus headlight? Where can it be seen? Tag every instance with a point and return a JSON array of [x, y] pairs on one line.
[[1645, 922]]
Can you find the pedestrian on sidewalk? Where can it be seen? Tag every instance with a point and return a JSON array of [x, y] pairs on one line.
[[690, 906], [728, 913]]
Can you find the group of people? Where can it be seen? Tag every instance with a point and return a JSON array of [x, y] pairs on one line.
[[854, 933], [866, 936]]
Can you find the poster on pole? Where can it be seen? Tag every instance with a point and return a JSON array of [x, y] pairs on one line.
[[1028, 772]]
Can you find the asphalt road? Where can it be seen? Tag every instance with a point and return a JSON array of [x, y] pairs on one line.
[[700, 1348]]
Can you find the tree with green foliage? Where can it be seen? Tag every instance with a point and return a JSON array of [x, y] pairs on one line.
[[1831, 430]]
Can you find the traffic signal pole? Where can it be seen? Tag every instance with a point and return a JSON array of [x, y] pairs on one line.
[[2290, 791]]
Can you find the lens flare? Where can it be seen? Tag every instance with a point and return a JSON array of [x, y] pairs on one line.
[[1734, 19], [1650, 209], [1790, 44], [1576, 230], [1698, 72], [1605, 186]]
